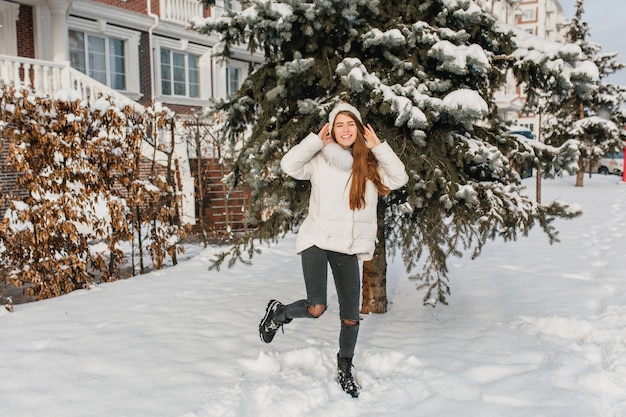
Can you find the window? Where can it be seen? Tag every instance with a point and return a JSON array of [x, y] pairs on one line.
[[529, 126], [183, 71], [180, 74], [528, 15], [232, 80], [105, 52], [102, 58]]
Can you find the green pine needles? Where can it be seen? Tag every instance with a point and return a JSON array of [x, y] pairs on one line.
[[424, 74]]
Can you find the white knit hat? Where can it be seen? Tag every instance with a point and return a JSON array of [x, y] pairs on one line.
[[343, 106]]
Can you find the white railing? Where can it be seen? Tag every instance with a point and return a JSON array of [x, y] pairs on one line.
[[92, 89], [49, 77], [180, 11], [40, 75]]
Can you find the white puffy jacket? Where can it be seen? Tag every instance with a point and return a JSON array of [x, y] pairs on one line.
[[330, 223]]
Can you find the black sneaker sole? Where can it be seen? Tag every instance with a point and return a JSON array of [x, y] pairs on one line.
[[268, 311]]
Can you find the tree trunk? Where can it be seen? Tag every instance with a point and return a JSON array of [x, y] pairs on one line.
[[375, 273], [580, 175]]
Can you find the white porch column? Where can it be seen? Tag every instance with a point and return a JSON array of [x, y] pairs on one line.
[[8, 16], [187, 184], [59, 35]]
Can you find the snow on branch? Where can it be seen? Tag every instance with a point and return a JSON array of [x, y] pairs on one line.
[[355, 76], [390, 38], [594, 122], [563, 58], [485, 154], [297, 66], [467, 101], [459, 59]]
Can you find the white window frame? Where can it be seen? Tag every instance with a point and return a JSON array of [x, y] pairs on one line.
[[529, 15], [222, 7], [204, 70], [187, 69], [222, 78], [229, 92], [108, 75], [131, 40]]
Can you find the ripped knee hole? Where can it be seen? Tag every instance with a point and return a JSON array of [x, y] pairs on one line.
[[316, 310]]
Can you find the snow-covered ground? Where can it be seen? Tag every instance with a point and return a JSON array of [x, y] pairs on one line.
[[531, 330]]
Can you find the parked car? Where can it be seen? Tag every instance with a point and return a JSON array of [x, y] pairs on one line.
[[524, 170], [612, 163]]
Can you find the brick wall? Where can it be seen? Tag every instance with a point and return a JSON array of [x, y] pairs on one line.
[[24, 28], [180, 109], [145, 70], [8, 177], [223, 208], [140, 6]]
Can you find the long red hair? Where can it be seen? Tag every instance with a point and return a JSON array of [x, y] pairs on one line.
[[364, 167]]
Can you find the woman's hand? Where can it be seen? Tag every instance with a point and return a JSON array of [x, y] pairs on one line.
[[371, 139], [325, 135]]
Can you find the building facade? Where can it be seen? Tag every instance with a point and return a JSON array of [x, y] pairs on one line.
[[130, 49], [139, 48], [541, 18]]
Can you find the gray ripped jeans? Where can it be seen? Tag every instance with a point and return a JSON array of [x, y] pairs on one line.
[[345, 269]]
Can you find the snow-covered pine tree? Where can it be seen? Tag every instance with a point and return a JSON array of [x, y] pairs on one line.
[[423, 73], [592, 112]]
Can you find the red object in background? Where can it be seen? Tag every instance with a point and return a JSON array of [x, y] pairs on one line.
[[624, 167]]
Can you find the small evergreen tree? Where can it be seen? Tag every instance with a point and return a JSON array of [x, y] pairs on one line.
[[423, 73], [592, 114]]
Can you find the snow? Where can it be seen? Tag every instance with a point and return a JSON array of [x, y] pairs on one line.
[[531, 330], [588, 69], [68, 95], [591, 121], [535, 49], [466, 99], [457, 57], [391, 38]]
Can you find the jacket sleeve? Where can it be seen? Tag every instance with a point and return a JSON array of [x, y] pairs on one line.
[[394, 174], [295, 162]]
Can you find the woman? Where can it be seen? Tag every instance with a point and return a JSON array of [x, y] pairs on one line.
[[348, 167]]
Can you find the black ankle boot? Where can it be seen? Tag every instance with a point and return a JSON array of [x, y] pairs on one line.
[[273, 320], [345, 378]]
